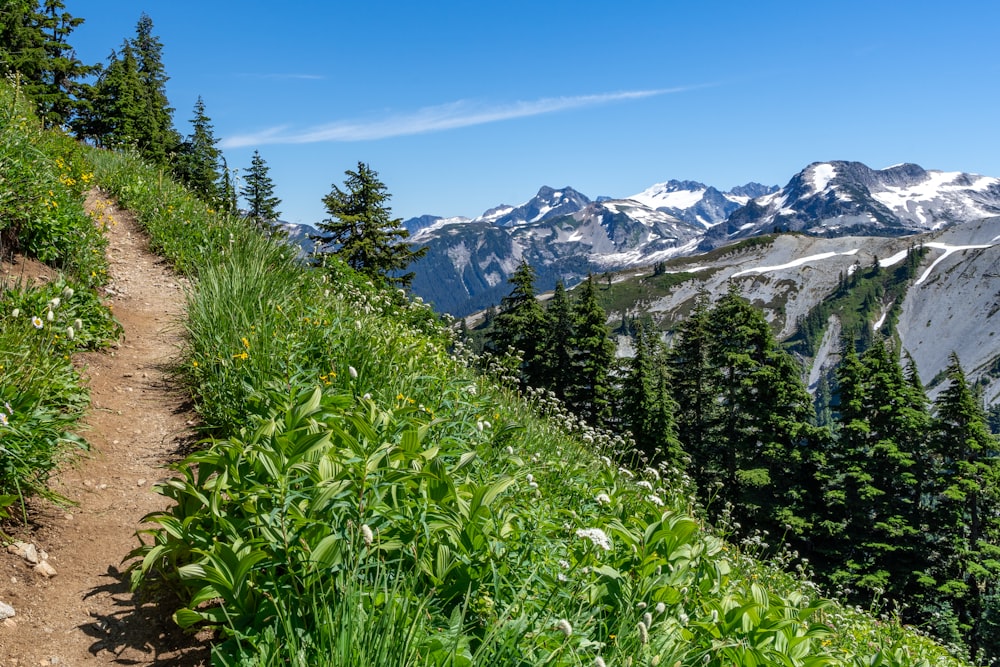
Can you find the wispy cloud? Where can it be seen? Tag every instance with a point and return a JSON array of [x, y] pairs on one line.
[[434, 119]]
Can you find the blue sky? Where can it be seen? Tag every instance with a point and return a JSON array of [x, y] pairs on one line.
[[461, 106]]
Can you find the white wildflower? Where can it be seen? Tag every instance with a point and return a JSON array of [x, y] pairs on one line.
[[15, 313], [599, 662], [652, 472], [597, 536], [655, 499], [50, 316], [647, 618], [644, 484], [533, 484], [626, 472], [78, 324], [510, 451], [353, 372], [68, 292], [367, 397], [530, 478], [366, 534], [36, 322], [643, 633], [606, 461], [563, 563], [7, 407], [715, 616], [54, 303], [3, 420], [70, 332], [660, 607], [564, 627], [603, 499], [683, 618]]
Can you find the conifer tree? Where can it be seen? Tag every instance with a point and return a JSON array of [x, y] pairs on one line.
[[764, 433], [198, 160], [258, 191], [127, 106], [647, 408], [520, 326], [557, 367], [965, 516], [34, 44], [875, 497], [589, 392], [694, 383], [362, 231]]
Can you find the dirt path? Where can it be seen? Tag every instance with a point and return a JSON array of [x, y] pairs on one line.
[[138, 422]]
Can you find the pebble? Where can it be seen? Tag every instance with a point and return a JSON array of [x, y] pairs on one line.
[[25, 550], [45, 569], [141, 482], [6, 611]]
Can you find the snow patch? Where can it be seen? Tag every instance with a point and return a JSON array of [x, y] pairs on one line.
[[948, 250], [794, 263], [892, 261], [822, 174]]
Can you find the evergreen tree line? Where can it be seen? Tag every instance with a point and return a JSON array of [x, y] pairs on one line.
[[123, 105], [894, 502]]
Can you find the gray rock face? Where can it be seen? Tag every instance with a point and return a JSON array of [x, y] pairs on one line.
[[6, 611]]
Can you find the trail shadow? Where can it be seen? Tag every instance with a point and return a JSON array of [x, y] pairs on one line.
[[140, 632]]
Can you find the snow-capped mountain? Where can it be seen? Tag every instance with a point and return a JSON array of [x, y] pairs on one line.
[[840, 198], [468, 262], [699, 203], [548, 203]]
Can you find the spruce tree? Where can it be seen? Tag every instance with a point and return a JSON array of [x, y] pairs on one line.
[[258, 191], [647, 409], [557, 366], [127, 106], [198, 159], [34, 44], [520, 326], [590, 389], [965, 516], [694, 383], [764, 433], [362, 231], [157, 138], [875, 498]]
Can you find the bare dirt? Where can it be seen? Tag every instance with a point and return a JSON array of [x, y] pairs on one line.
[[137, 424]]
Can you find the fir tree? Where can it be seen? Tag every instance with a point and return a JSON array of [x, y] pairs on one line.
[[764, 431], [647, 408], [520, 325], [127, 106], [560, 331], [589, 392], [362, 231], [198, 159], [965, 517], [875, 497], [694, 383], [34, 44], [258, 191]]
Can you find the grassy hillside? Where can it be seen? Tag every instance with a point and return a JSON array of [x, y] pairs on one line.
[[364, 498]]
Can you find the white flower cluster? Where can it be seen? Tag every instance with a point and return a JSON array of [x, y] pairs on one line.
[[597, 537]]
